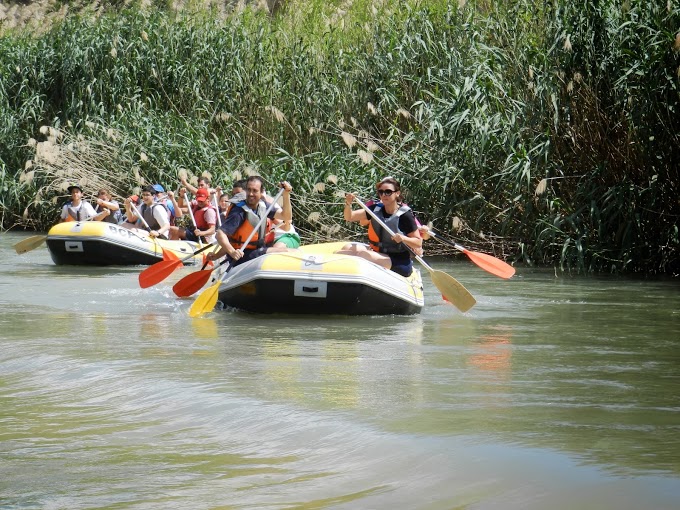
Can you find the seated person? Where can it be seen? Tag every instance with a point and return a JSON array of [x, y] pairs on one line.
[[285, 236], [205, 217], [203, 182], [78, 209], [107, 205], [390, 252], [168, 201], [153, 216], [242, 219]]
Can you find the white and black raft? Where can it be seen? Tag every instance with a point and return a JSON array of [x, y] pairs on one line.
[[315, 280], [99, 243]]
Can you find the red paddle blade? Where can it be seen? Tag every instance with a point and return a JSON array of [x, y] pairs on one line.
[[192, 283], [169, 255], [158, 272], [490, 264]]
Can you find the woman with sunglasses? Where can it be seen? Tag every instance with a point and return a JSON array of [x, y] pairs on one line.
[[390, 252]]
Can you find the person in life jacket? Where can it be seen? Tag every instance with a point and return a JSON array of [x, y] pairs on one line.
[[390, 252], [107, 205], [166, 201], [153, 214], [423, 229], [77, 209], [205, 216], [242, 219]]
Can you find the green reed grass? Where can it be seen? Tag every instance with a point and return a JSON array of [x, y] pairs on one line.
[[546, 133]]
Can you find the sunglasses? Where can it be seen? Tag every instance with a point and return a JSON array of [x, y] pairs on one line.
[[385, 192], [146, 194]]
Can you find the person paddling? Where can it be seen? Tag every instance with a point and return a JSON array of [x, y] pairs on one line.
[[205, 216], [241, 221], [390, 252], [154, 214]]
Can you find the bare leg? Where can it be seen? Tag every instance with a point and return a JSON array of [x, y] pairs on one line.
[[359, 250], [175, 233]]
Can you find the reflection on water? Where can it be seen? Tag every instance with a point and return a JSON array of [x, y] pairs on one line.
[[552, 392]]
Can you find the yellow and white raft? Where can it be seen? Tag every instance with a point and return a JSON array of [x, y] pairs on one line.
[[100, 243], [315, 280]]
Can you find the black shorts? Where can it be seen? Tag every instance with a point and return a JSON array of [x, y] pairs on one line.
[[401, 263], [190, 236]]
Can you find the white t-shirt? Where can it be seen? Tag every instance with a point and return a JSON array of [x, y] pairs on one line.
[[80, 213], [160, 214]]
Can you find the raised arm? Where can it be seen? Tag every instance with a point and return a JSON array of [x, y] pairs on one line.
[[285, 214], [349, 214], [175, 204]]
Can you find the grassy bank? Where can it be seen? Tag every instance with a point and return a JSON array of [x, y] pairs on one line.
[[546, 133]]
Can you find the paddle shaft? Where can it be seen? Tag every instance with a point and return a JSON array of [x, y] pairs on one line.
[[134, 208], [216, 205], [485, 261], [445, 240], [193, 220], [391, 233]]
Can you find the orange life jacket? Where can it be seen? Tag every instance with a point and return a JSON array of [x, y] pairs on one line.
[[238, 238]]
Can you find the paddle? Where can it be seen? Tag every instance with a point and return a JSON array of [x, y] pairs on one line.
[[170, 255], [193, 221], [487, 262], [33, 242], [30, 243], [159, 271], [207, 299], [195, 281], [451, 290]]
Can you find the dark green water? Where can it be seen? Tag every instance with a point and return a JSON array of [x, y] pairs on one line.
[[553, 392]]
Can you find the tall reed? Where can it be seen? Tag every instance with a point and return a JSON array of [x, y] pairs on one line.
[[546, 133]]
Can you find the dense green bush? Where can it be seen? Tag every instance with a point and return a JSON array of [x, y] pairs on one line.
[[545, 132]]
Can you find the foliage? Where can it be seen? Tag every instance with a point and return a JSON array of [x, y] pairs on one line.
[[546, 132]]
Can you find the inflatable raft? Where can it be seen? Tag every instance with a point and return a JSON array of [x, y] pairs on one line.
[[100, 243], [314, 280]]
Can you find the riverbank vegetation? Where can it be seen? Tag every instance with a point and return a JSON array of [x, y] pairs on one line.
[[547, 133]]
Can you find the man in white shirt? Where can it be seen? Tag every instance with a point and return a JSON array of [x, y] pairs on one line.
[[77, 209]]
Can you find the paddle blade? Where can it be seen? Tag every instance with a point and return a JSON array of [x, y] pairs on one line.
[[28, 244], [490, 264], [206, 300], [169, 255], [452, 290], [158, 272], [192, 283]]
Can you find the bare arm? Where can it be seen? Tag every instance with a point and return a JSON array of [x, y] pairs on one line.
[[178, 209], [350, 215], [412, 240], [129, 212], [285, 214], [188, 186], [225, 248]]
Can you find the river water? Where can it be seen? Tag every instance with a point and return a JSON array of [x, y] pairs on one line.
[[555, 391]]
